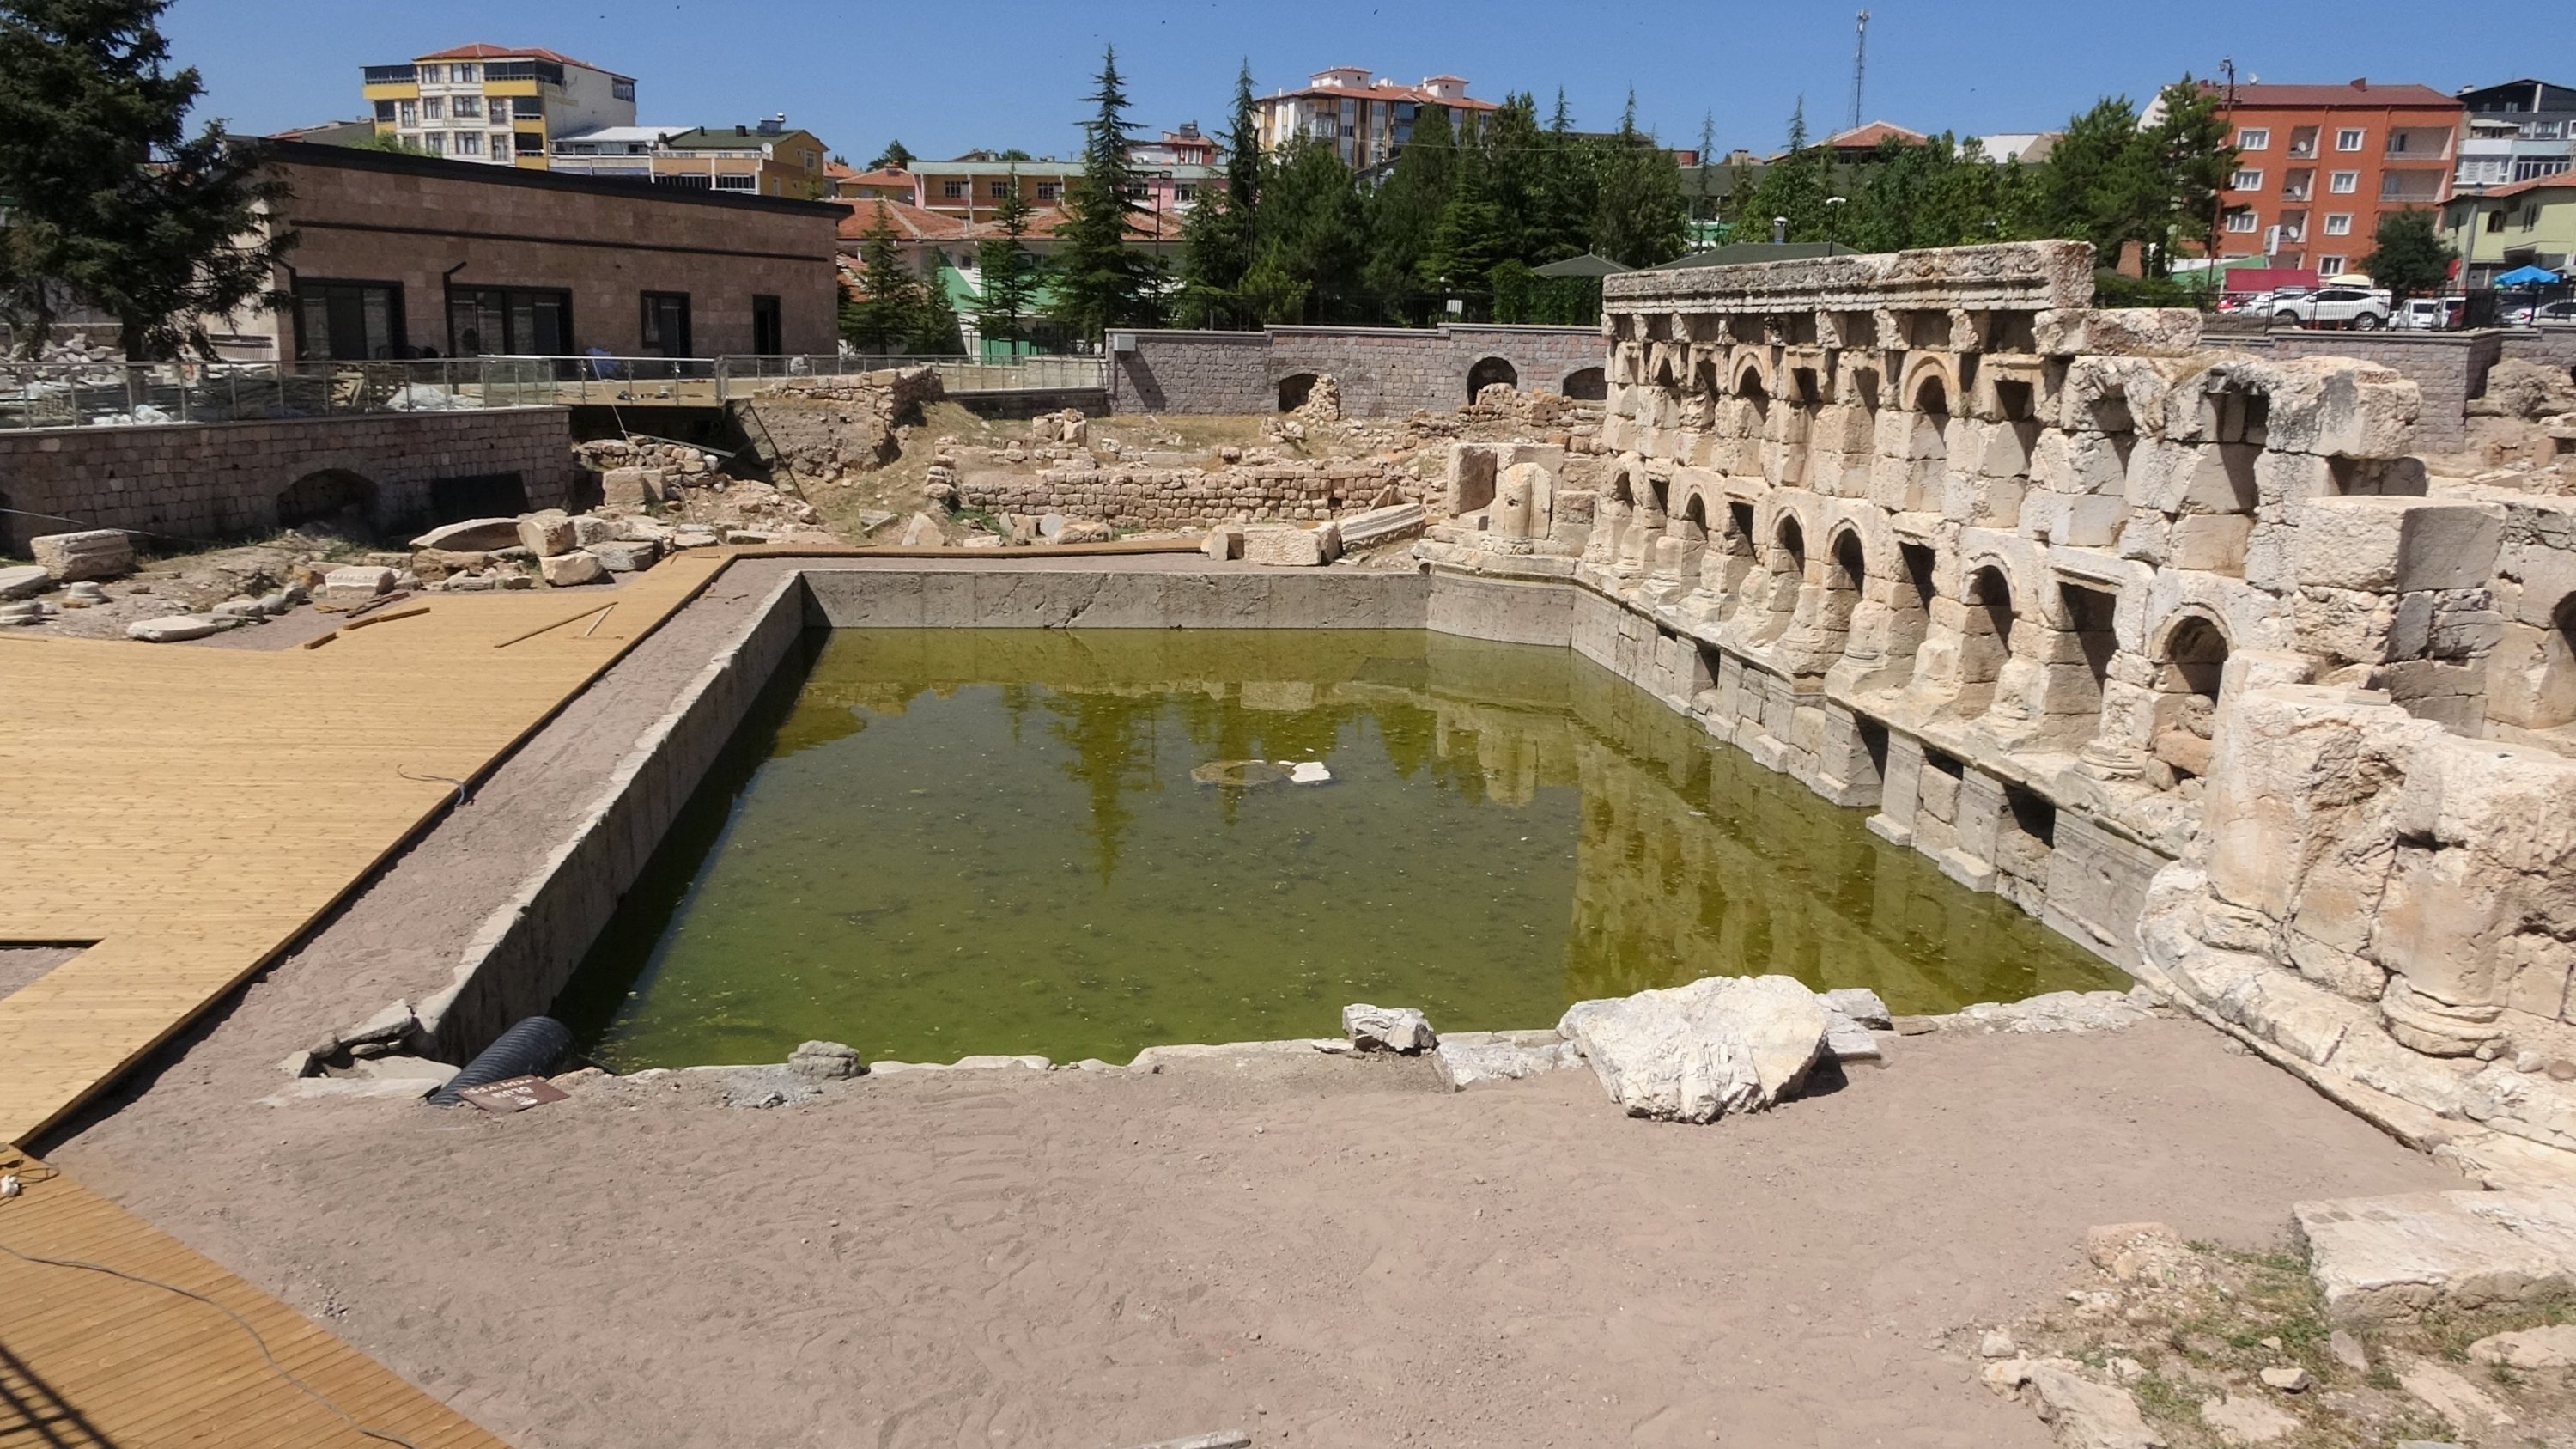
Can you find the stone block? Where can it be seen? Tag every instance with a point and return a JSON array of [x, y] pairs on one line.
[[625, 556], [547, 533], [564, 570], [634, 487], [24, 581], [356, 584], [587, 530], [96, 553], [2212, 541], [2395, 545], [1284, 547]]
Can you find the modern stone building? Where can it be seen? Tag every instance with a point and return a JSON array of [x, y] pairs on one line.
[[408, 256], [2170, 646]]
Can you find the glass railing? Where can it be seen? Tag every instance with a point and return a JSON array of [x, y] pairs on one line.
[[149, 394]]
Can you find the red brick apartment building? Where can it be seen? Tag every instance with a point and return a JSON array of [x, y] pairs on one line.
[[2321, 164]]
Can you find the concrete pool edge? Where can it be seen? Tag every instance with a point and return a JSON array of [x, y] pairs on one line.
[[530, 943]]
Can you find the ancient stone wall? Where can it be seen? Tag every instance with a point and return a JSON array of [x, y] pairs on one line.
[[2166, 645], [1382, 371], [2552, 346], [1147, 497], [819, 428], [221, 480]]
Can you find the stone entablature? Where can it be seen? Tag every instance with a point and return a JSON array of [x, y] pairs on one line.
[[2053, 592]]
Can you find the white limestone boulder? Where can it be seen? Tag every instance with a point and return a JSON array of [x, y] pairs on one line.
[[1282, 547], [547, 533], [1381, 525], [1472, 1059], [356, 584], [474, 535], [1695, 1053], [24, 581], [922, 532], [1388, 1028], [2082, 1413], [625, 555], [564, 570], [94, 553], [177, 629]]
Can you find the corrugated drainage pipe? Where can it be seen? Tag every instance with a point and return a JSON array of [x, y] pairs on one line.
[[532, 1048]]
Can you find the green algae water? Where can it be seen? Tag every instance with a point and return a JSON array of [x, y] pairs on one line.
[[935, 843]]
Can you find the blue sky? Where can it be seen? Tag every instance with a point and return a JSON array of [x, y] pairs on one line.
[[997, 73]]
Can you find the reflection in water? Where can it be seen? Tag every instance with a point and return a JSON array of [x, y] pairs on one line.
[[989, 841]]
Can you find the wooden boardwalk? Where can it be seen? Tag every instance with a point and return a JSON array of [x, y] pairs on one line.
[[89, 1360], [190, 812]]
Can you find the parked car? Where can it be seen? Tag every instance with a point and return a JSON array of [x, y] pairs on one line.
[[2430, 314], [2359, 307], [2530, 316]]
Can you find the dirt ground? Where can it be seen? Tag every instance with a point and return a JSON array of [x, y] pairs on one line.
[[1323, 1252]]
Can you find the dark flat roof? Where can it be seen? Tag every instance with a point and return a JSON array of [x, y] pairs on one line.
[[355, 158]]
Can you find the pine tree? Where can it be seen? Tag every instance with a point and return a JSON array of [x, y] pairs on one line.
[[2408, 255], [1102, 282], [887, 310], [1404, 212], [111, 201], [1314, 231], [934, 322], [1794, 186], [1568, 190], [1468, 243], [1515, 155], [2189, 148], [1702, 208], [1640, 218], [1010, 274], [1217, 240], [895, 157]]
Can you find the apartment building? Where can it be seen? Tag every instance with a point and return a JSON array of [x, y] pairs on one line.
[[2320, 164], [765, 158], [972, 189], [495, 104], [2522, 130], [2518, 224], [1365, 121]]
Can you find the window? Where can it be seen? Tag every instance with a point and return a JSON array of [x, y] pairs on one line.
[[2343, 183], [2240, 221], [347, 320], [512, 321], [433, 108], [737, 181], [1050, 190], [1184, 191], [2254, 138], [952, 191], [526, 108], [469, 143], [2331, 265], [2495, 221], [464, 75], [466, 108], [768, 333], [433, 75], [499, 111], [666, 323], [2339, 223], [407, 114], [435, 142], [2246, 180], [623, 90], [1001, 190], [2348, 139], [502, 150], [384, 113]]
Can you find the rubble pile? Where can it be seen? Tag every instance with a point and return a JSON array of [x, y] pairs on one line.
[[816, 429]]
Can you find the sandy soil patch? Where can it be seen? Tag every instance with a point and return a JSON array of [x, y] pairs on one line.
[[1327, 1252]]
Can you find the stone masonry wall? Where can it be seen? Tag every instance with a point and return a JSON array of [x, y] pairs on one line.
[[2167, 646], [1383, 371], [1168, 497], [2450, 368], [2553, 346], [219, 480]]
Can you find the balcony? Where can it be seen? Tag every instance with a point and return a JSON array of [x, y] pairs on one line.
[[392, 75]]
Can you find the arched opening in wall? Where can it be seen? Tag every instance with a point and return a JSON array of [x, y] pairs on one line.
[[1693, 527], [1586, 385], [1493, 370], [2188, 679], [1730, 558], [331, 495], [1787, 574], [1294, 389], [1927, 449], [1846, 576], [2237, 419], [1910, 604], [1797, 426], [1985, 638]]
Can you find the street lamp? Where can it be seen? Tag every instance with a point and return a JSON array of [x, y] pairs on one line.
[[1833, 222]]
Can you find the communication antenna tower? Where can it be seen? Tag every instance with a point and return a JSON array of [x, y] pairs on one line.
[[1860, 65]]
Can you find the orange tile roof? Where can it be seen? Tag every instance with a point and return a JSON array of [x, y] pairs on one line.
[[1868, 136], [481, 50], [2563, 181], [910, 223], [1394, 93], [2351, 93]]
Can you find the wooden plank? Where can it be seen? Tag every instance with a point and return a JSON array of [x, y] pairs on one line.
[[145, 1366]]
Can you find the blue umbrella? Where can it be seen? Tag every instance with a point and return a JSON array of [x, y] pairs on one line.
[[2527, 277]]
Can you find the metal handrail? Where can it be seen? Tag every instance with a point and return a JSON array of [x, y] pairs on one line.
[[143, 394]]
